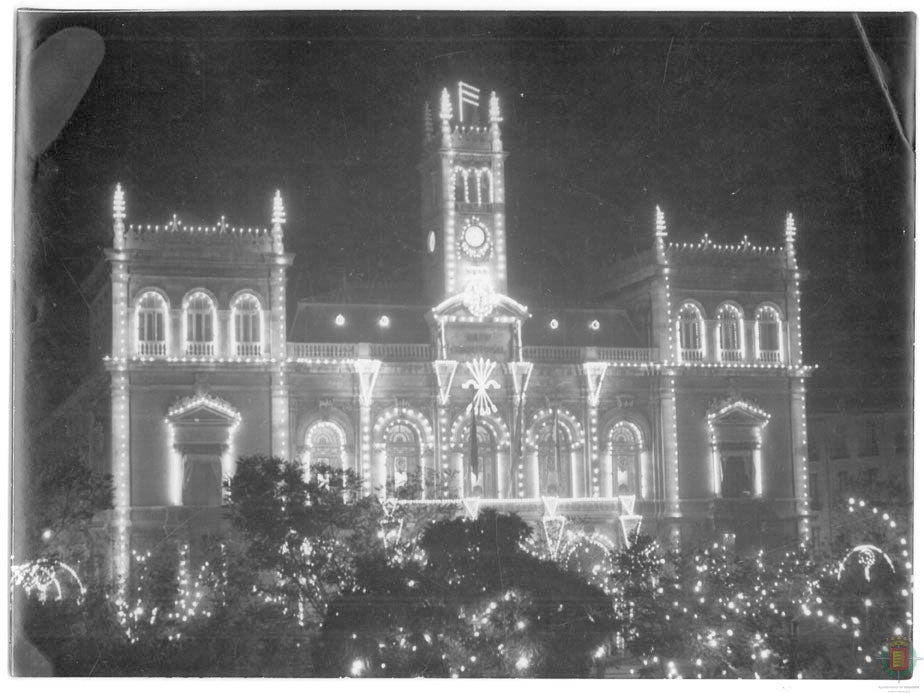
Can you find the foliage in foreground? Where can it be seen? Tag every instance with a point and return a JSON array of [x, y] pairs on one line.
[[478, 606]]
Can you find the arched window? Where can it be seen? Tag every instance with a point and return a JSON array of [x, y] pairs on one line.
[[625, 446], [730, 337], [461, 186], [769, 327], [480, 478], [248, 335], [151, 319], [554, 448], [402, 462], [485, 188], [324, 444], [200, 325], [690, 327]]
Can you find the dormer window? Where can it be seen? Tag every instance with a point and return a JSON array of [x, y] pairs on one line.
[[200, 325], [248, 327], [151, 321]]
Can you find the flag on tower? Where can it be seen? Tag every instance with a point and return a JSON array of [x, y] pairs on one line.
[[468, 95]]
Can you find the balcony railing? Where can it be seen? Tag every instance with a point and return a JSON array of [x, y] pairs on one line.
[[402, 352], [568, 354], [200, 349], [321, 350], [249, 349], [769, 356], [152, 348], [730, 355], [691, 355]]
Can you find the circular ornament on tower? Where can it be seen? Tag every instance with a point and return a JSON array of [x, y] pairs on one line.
[[475, 242]]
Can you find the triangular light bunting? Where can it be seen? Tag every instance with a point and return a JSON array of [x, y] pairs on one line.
[[595, 372], [520, 372], [368, 371], [471, 506], [628, 504], [554, 531], [550, 503], [629, 524], [445, 372]]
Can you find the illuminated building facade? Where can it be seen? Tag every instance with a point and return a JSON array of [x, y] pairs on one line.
[[675, 402]]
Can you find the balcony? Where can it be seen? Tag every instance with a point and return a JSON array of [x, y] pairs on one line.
[[200, 349], [562, 354], [155, 348], [249, 349]]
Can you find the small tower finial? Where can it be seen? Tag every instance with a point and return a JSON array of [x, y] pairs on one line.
[[660, 223], [279, 210], [494, 113], [118, 203], [118, 216], [660, 234], [279, 218], [445, 105], [790, 236]]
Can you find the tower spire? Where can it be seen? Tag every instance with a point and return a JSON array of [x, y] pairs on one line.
[[494, 116], [790, 235], [279, 218], [118, 216], [660, 234], [445, 117]]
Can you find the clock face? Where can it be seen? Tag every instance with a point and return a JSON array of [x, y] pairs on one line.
[[474, 236], [475, 242]]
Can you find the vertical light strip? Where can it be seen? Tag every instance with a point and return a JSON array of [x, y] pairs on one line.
[[121, 473], [365, 427], [594, 446], [443, 431]]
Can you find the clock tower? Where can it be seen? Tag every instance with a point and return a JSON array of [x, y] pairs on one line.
[[462, 176]]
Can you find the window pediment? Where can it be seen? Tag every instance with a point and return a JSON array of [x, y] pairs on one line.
[[203, 410]]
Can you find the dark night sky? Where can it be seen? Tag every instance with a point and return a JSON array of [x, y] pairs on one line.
[[726, 121]]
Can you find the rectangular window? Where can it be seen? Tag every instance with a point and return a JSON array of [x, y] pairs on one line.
[[737, 474], [729, 334], [769, 336]]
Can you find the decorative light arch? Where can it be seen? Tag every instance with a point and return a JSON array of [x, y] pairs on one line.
[[729, 332], [575, 430], [576, 539], [335, 430], [417, 421], [201, 303], [246, 337], [498, 427], [624, 431], [691, 331], [152, 335], [768, 314]]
